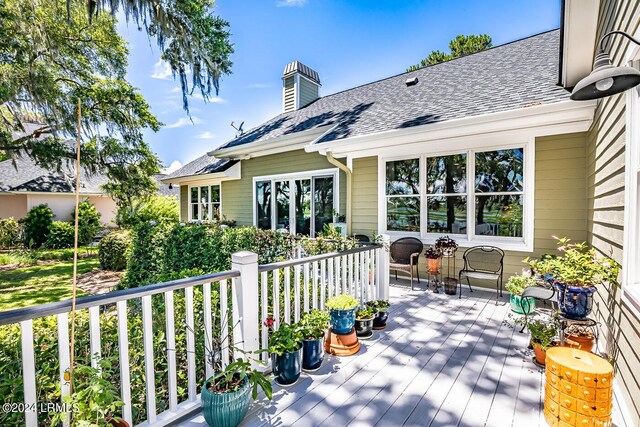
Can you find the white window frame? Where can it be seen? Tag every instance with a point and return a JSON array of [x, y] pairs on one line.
[[523, 244], [291, 177], [631, 246], [209, 202]]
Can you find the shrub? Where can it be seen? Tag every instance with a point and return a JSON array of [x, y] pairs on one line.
[[313, 324], [36, 225], [114, 249], [61, 235], [157, 208], [88, 222], [10, 231], [518, 283], [287, 339], [342, 302]]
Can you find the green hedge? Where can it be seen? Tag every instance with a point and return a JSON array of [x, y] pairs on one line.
[[61, 235], [114, 249], [36, 225], [10, 231], [88, 222]]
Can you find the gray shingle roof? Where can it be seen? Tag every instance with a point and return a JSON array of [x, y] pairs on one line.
[[202, 165], [506, 77], [25, 175]]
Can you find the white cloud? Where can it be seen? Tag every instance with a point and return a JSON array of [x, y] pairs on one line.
[[206, 135], [291, 3], [184, 121], [174, 166], [161, 70]]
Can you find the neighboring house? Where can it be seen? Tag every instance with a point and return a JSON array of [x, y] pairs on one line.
[[23, 185], [487, 148]]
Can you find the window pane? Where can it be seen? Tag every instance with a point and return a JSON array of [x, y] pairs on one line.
[[263, 201], [194, 210], [447, 214], [499, 171], [499, 216], [303, 206], [204, 202], [215, 194], [323, 202], [403, 213], [447, 174], [194, 195], [403, 177], [215, 210], [282, 205]]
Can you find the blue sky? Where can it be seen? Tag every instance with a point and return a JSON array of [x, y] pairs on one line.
[[348, 42]]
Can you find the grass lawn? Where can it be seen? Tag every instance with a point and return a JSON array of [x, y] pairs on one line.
[[40, 284], [25, 257]]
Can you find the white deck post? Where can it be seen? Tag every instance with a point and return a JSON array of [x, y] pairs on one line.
[[383, 268], [245, 329]]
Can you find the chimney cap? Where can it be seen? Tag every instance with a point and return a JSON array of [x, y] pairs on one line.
[[298, 67]]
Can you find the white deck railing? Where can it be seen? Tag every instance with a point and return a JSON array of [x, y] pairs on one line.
[[283, 290]]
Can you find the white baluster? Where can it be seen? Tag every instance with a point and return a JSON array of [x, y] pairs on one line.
[[169, 315], [330, 264], [149, 367], [94, 336], [265, 312], [314, 292], [64, 356], [208, 328], [287, 294], [29, 373], [351, 278], [323, 282], [344, 270], [123, 354], [296, 293], [276, 298], [225, 321], [306, 287], [191, 344]]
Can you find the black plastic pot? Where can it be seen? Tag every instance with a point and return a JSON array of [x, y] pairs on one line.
[[312, 354], [364, 328], [380, 321], [287, 367]]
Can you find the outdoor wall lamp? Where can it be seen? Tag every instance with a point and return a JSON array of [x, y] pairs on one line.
[[605, 79]]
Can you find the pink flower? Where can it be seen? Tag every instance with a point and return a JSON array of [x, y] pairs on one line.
[[269, 322]]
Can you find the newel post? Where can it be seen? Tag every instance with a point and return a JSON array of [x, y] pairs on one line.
[[383, 278], [245, 301]]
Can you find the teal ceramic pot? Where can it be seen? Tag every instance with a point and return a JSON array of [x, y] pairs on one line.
[[520, 306], [228, 409], [342, 321]]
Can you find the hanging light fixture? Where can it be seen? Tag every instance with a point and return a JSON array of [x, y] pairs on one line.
[[606, 79]]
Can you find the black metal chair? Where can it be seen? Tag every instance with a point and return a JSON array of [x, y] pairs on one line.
[[483, 262], [405, 253], [542, 292], [362, 238]]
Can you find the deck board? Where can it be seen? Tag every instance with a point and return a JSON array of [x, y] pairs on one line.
[[442, 361]]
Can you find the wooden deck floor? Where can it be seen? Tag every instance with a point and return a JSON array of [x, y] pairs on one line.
[[442, 361]]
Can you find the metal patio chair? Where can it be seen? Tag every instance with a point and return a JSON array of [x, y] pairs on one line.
[[405, 253], [483, 262], [544, 292]]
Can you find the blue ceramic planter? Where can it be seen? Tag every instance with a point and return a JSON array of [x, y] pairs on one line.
[[574, 302], [342, 320], [228, 409], [520, 306], [312, 354], [287, 367]]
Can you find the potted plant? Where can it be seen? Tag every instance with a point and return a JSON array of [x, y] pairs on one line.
[[580, 337], [433, 255], [382, 313], [446, 245], [543, 332], [576, 273], [342, 313], [312, 327], [364, 321], [285, 346], [516, 286]]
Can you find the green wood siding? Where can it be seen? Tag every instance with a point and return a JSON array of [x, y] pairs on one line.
[[237, 195], [605, 208], [308, 92], [184, 203], [364, 197]]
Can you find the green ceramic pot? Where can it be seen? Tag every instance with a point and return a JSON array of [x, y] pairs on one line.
[[517, 304], [228, 409]]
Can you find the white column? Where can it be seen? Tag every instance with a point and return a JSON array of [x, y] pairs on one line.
[[383, 268], [245, 330]]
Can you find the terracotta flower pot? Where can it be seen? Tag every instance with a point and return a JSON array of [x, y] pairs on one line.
[[580, 342], [118, 422], [433, 265], [541, 354]]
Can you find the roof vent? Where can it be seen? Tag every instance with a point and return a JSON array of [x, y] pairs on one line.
[[411, 81], [301, 86]]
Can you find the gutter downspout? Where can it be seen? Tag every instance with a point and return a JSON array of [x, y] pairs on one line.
[[347, 172]]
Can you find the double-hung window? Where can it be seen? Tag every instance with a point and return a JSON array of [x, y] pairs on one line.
[[205, 202], [476, 196]]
